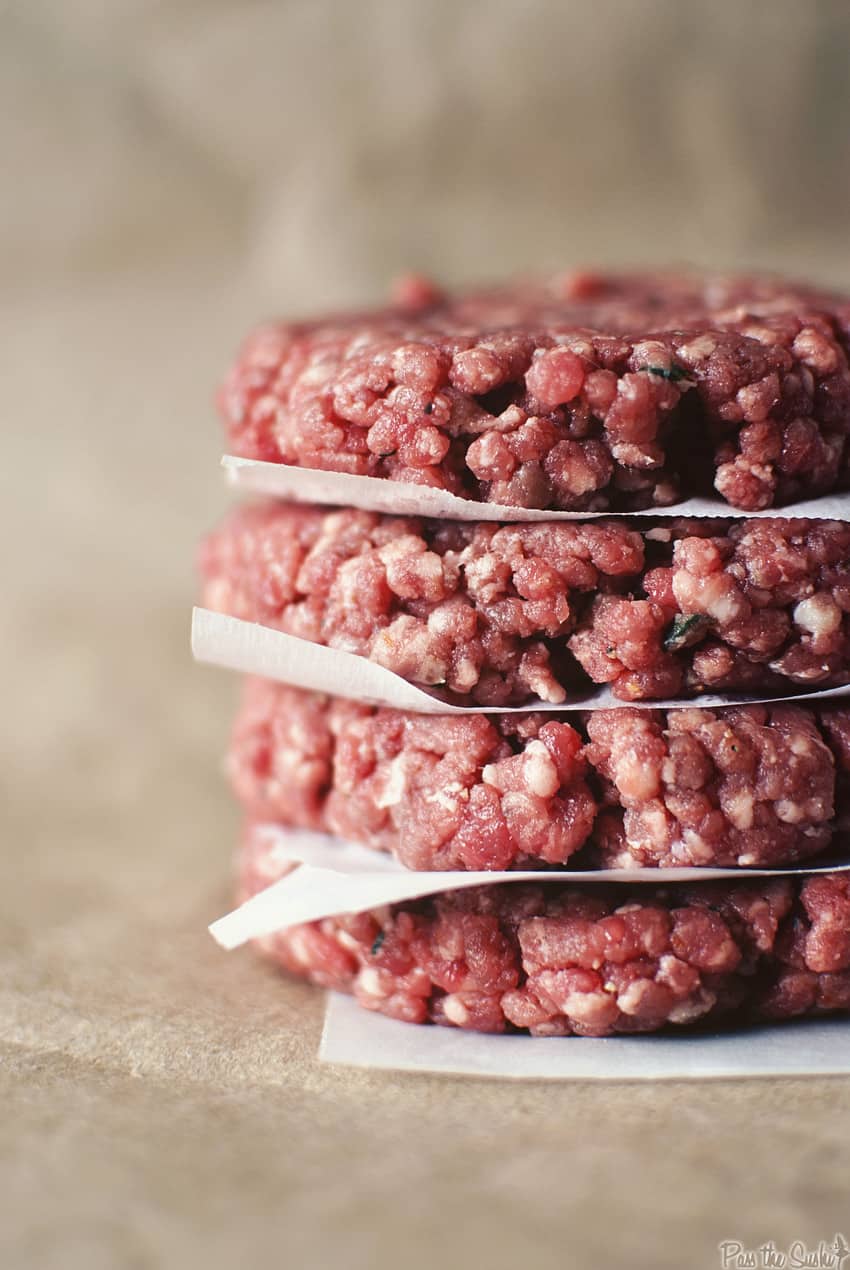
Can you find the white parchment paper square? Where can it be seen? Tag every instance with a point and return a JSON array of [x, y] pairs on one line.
[[254, 649], [343, 877], [356, 1037], [403, 498]]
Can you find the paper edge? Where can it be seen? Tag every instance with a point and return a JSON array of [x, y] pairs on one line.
[[250, 647], [325, 891], [380, 494], [342, 1013]]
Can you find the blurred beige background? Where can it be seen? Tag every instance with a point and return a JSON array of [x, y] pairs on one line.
[[172, 172]]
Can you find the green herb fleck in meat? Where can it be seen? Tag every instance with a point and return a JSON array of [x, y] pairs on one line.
[[674, 374], [685, 629], [378, 944]]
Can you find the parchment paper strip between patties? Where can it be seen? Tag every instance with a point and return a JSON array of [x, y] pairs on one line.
[[233, 644], [372, 493], [333, 877]]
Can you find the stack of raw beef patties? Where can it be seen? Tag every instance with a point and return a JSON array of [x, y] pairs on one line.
[[554, 412]]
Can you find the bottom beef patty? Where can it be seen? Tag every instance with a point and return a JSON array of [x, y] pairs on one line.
[[590, 960]]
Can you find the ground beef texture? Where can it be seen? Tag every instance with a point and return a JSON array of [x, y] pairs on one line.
[[581, 391], [555, 960], [747, 786], [502, 614]]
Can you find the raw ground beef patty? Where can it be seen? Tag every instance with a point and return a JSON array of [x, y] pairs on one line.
[[581, 392], [555, 960], [501, 614], [753, 786]]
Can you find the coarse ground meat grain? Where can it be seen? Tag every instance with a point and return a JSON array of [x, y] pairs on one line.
[[736, 605], [501, 614], [582, 392], [752, 786], [596, 960], [440, 792], [481, 609], [836, 729]]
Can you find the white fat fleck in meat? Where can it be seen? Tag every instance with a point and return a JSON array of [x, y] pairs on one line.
[[637, 456], [489, 775], [449, 797], [698, 851], [441, 621], [465, 674], [699, 349], [739, 808], [584, 1007], [716, 596], [395, 780], [813, 348], [810, 674], [630, 998], [348, 580], [653, 825], [634, 778], [819, 615], [369, 982], [692, 1007], [624, 859], [543, 683], [347, 940], [405, 641], [454, 1010], [789, 812], [667, 967], [539, 772]]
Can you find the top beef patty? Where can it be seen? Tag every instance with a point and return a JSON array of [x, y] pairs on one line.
[[580, 393]]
